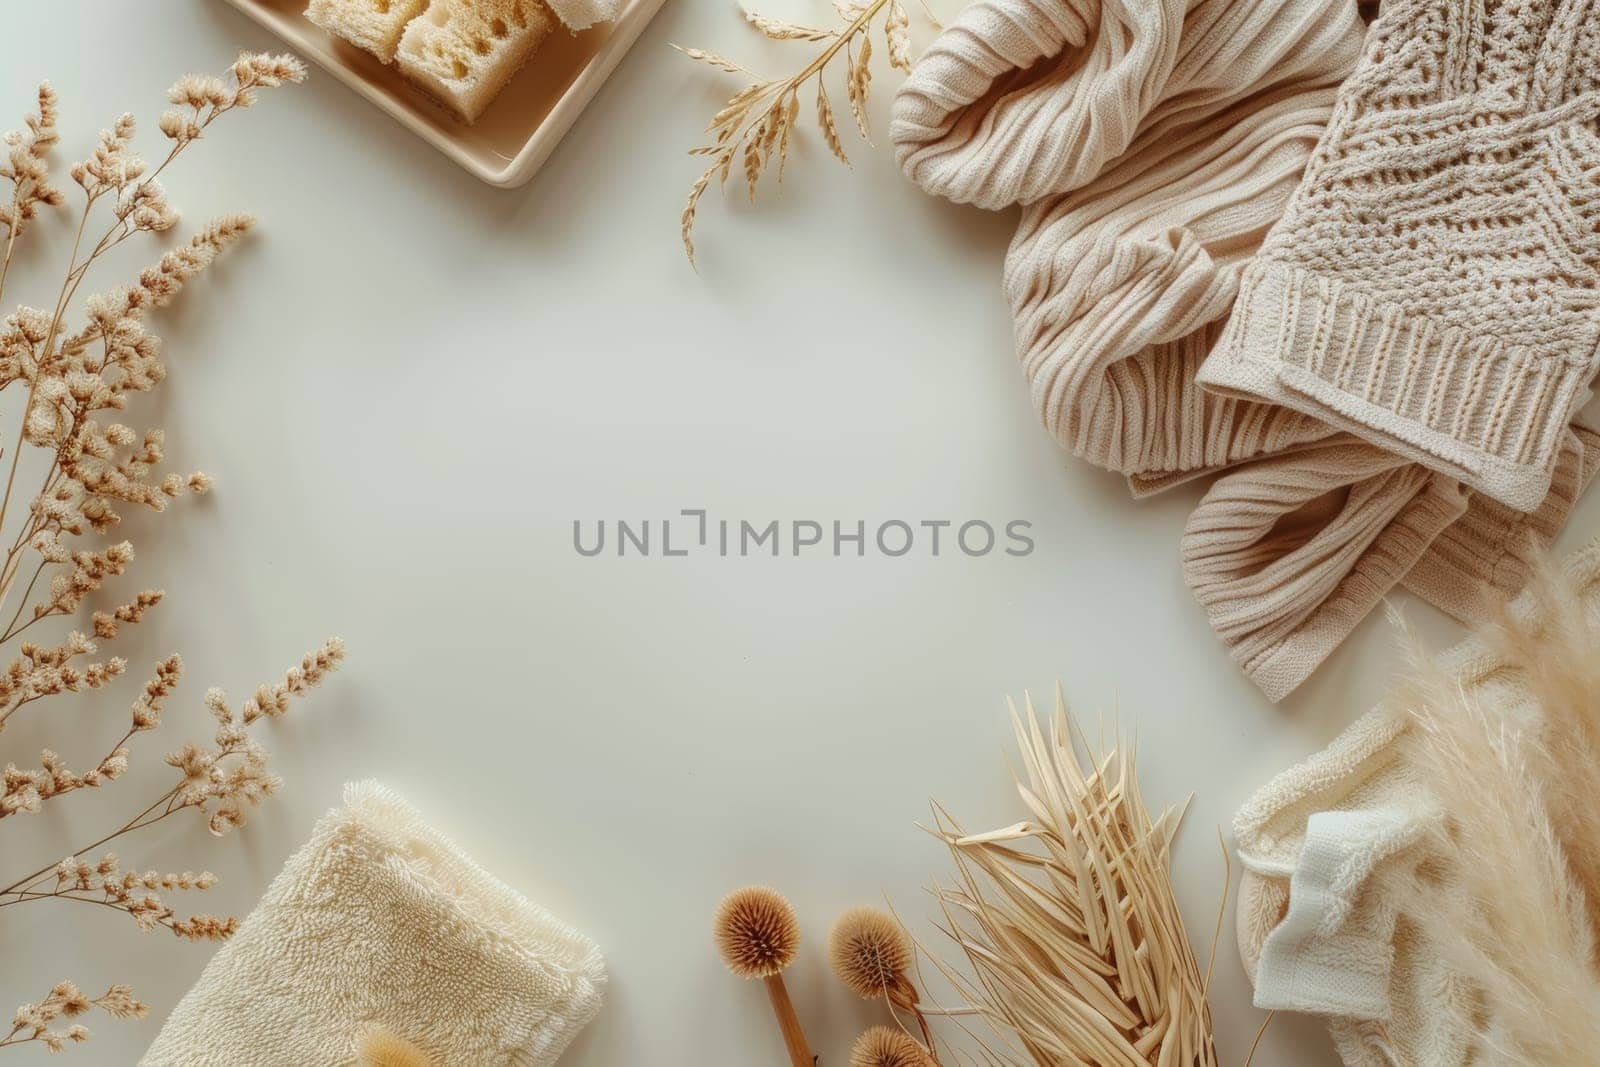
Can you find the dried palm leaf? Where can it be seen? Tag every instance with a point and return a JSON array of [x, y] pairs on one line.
[[1074, 947]]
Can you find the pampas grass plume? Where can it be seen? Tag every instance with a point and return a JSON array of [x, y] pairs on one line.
[[870, 953], [885, 1047]]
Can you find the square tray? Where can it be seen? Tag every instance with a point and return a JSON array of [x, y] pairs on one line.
[[523, 125]]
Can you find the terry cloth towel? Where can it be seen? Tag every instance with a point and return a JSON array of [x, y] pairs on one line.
[[1338, 853], [1434, 286], [379, 925]]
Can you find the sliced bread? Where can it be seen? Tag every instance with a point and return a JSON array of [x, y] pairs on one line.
[[373, 25], [464, 51]]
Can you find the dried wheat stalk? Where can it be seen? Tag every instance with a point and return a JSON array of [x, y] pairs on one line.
[[754, 128], [1075, 949]]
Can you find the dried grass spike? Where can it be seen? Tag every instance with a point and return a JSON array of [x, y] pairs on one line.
[[858, 82], [756, 931], [869, 953], [779, 30], [830, 129], [897, 35], [885, 1047]]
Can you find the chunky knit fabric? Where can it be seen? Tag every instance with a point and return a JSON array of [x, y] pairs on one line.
[[1153, 145], [1434, 286], [380, 928], [1339, 853]]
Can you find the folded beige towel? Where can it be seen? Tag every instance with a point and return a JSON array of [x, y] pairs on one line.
[[379, 925]]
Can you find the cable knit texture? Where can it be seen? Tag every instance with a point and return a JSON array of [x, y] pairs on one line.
[[380, 924], [1337, 850], [1435, 284]]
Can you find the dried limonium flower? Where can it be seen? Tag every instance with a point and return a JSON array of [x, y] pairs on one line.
[[753, 129], [79, 375], [38, 1022], [882, 1046], [757, 936]]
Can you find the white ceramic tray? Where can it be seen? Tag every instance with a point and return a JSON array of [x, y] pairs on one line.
[[514, 137]]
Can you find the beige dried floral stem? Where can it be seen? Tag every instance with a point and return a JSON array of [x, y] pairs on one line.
[[1074, 948], [754, 127], [79, 378], [35, 1022]]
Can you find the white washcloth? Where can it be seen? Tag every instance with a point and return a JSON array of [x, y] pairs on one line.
[[380, 923]]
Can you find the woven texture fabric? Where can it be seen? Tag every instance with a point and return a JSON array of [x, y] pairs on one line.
[[1434, 285], [1339, 852], [380, 924]]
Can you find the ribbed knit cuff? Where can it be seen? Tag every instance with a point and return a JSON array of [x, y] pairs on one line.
[[1490, 414]]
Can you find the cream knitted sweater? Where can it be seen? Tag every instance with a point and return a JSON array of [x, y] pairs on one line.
[[1151, 147], [1338, 855], [1434, 285], [379, 924]]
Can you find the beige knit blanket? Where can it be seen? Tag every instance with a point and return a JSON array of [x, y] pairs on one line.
[[1151, 146], [380, 926]]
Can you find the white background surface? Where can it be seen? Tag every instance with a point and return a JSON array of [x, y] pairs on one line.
[[410, 384]]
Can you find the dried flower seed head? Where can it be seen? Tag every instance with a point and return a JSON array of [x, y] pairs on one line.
[[885, 1047], [756, 932], [869, 952]]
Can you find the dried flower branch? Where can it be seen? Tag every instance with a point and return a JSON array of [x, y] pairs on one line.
[[79, 379], [754, 128], [32, 1022]]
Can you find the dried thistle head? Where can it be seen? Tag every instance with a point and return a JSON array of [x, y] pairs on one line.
[[756, 932], [869, 952], [883, 1046]]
